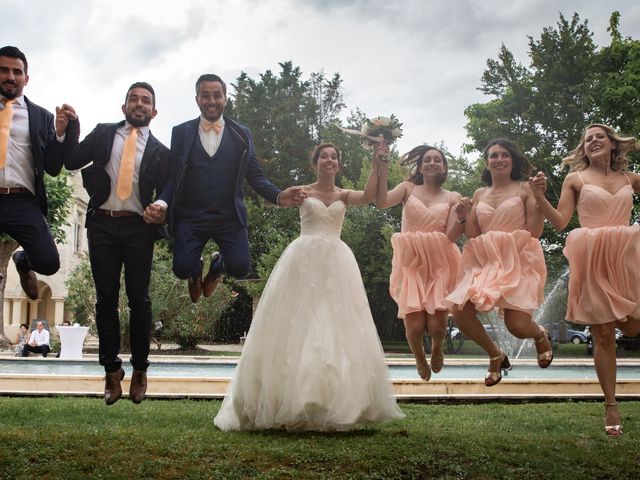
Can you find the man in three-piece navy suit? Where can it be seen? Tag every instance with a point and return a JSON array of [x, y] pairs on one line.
[[211, 157], [129, 168], [30, 145]]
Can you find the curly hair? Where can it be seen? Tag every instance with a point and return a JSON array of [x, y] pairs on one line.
[[520, 165], [413, 160], [578, 160]]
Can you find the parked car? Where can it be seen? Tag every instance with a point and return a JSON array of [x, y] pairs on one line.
[[576, 336]]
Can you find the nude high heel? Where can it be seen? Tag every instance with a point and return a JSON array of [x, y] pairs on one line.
[[544, 358], [494, 378], [612, 430], [423, 369]]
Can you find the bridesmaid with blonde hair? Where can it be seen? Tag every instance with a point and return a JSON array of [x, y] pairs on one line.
[[604, 253]]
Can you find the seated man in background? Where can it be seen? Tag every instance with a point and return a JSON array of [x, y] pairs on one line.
[[38, 341]]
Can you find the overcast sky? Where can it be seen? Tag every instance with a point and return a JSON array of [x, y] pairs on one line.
[[419, 59]]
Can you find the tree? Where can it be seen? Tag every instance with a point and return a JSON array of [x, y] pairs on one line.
[[544, 107], [59, 200]]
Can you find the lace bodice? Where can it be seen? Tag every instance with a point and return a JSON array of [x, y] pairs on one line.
[[318, 219]]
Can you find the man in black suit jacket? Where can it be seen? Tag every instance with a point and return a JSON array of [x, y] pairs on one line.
[[122, 228], [30, 147], [211, 157]]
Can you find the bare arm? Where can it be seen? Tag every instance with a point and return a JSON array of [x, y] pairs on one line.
[[535, 218], [561, 216], [457, 218], [363, 197], [472, 227]]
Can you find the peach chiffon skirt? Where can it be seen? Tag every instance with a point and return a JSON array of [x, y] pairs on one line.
[[604, 284], [423, 271], [501, 269]]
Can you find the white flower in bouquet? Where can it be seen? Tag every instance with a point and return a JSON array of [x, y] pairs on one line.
[[378, 129]]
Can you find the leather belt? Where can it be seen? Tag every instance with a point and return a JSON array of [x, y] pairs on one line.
[[13, 190], [116, 213]]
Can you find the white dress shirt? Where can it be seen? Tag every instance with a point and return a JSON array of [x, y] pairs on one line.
[[19, 170], [41, 338], [133, 203], [211, 140]]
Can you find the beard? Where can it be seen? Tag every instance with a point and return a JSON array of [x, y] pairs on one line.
[[138, 122], [9, 95]]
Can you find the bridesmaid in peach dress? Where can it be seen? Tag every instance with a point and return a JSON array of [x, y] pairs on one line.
[[425, 257], [604, 253], [502, 264]]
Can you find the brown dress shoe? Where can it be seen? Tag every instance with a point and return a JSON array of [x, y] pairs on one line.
[[112, 388], [28, 279], [212, 279], [195, 288], [138, 386]]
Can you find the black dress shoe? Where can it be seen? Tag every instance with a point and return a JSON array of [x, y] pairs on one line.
[[112, 387], [195, 288], [28, 279], [212, 280], [138, 386]]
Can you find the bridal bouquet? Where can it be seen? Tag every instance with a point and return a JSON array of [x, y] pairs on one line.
[[380, 129]]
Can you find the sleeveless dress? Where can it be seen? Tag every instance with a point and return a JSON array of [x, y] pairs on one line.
[[425, 261], [312, 359], [504, 266], [604, 258]]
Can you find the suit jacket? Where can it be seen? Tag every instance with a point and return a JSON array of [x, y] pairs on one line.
[[183, 138], [96, 148], [47, 152]]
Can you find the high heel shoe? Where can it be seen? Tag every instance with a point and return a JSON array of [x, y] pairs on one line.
[[437, 360], [493, 378], [544, 358], [612, 430], [423, 369]]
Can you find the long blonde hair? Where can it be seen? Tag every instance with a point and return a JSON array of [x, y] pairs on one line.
[[578, 160]]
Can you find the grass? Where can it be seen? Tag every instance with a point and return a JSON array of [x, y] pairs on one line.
[[81, 438]]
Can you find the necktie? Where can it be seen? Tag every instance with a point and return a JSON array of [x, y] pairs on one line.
[[127, 162], [207, 126], [5, 127]]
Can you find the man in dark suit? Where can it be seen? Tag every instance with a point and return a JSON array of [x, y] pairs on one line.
[[129, 166], [29, 147], [211, 157]]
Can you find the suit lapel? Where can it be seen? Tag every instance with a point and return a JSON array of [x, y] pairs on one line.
[[191, 130], [34, 120]]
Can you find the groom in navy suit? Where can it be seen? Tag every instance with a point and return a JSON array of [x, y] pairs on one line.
[[211, 157], [31, 143]]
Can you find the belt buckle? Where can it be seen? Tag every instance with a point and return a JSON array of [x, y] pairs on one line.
[[111, 213], [5, 190]]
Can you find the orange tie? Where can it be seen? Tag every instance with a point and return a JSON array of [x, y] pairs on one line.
[[207, 126], [5, 127], [127, 162]]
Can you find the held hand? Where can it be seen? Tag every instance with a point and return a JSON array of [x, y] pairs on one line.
[[381, 153], [155, 214], [291, 197], [463, 208], [538, 185], [64, 115]]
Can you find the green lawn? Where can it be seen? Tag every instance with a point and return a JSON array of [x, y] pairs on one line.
[[81, 438]]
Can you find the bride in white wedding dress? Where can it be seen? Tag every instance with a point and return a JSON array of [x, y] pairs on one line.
[[312, 359]]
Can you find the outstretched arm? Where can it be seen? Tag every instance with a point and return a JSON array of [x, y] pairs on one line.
[[561, 216], [363, 197]]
